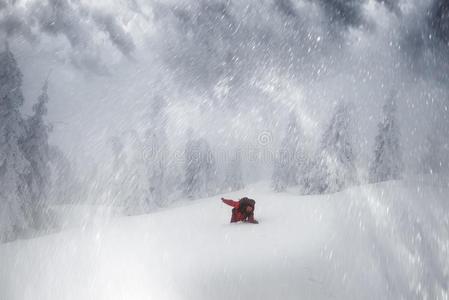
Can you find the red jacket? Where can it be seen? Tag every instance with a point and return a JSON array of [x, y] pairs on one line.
[[237, 214]]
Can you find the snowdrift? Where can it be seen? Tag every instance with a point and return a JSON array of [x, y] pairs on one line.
[[383, 241]]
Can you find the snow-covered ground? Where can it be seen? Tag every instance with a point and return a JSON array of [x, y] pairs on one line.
[[384, 241]]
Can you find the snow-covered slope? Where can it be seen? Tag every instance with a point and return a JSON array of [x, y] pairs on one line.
[[385, 241]]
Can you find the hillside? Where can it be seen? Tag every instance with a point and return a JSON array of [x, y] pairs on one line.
[[385, 241]]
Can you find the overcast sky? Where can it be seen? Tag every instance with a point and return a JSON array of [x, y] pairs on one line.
[[230, 69]]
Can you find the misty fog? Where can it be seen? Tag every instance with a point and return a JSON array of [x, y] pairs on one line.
[[133, 107], [242, 64]]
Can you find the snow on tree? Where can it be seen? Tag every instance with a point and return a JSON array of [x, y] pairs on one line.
[[233, 176], [290, 162], [119, 158], [117, 172], [125, 182], [156, 150], [316, 175], [36, 150], [436, 156], [15, 201], [199, 168], [337, 154], [387, 162], [136, 197], [64, 185], [436, 152]]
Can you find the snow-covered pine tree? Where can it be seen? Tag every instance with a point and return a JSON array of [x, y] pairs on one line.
[[290, 163], [192, 169], [156, 150], [200, 169], [15, 200], [387, 162], [36, 150], [435, 157], [136, 190], [208, 166], [117, 190], [118, 154], [316, 175], [64, 185], [337, 151], [233, 177]]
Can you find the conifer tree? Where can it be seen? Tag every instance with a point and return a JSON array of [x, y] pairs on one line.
[[199, 168], [290, 164], [15, 200], [387, 162], [337, 151], [156, 150], [36, 150], [233, 177]]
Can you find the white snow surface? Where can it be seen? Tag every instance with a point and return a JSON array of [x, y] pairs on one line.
[[384, 241]]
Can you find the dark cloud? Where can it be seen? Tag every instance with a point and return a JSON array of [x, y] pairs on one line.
[[208, 38], [392, 5], [3, 4], [78, 23], [118, 36], [287, 7], [199, 40], [232, 44], [75, 21], [344, 12], [425, 41], [437, 41], [62, 17], [438, 20], [350, 13], [13, 23], [89, 60]]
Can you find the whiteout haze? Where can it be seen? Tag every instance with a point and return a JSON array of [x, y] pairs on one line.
[[123, 123]]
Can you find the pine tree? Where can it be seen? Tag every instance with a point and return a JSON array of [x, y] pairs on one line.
[[156, 148], [15, 200], [36, 150], [290, 163], [436, 149], [233, 177], [64, 185], [116, 189], [436, 156], [337, 151], [136, 189], [387, 162], [316, 175], [200, 169], [117, 153]]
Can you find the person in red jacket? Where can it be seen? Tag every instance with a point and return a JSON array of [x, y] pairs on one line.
[[243, 210]]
